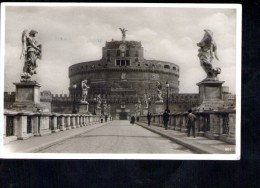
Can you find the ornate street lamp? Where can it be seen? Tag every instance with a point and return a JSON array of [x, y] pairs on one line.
[[167, 86], [74, 111], [95, 100]]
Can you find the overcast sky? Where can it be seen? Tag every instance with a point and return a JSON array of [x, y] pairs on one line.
[[75, 34]]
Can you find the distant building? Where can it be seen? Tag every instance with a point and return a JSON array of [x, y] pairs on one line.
[[122, 76]]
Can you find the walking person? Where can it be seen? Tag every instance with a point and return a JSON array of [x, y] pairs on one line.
[[191, 118], [133, 120], [166, 119], [149, 116]]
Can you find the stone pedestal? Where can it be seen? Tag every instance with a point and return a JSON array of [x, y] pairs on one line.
[[145, 111], [27, 97], [98, 111], [83, 108], [159, 107], [210, 95]]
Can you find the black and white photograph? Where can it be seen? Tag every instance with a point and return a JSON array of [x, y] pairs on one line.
[[121, 81]]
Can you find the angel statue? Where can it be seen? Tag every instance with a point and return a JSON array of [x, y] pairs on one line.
[[85, 88], [207, 53], [146, 101], [31, 52], [123, 30], [159, 91], [99, 100]]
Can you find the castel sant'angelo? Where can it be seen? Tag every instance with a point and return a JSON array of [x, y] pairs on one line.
[[123, 77]]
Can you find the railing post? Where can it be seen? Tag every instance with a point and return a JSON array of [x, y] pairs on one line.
[[81, 117], [201, 124], [184, 123], [67, 121], [54, 122], [21, 127], [73, 121], [214, 126], [9, 127], [178, 125], [44, 128], [62, 123], [228, 133], [86, 120]]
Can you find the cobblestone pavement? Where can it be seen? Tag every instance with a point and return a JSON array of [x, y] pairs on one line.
[[118, 137]]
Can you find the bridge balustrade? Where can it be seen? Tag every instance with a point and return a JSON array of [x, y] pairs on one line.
[[22, 125], [219, 125]]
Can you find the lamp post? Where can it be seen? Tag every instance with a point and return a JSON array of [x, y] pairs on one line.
[[167, 86], [95, 99], [74, 111]]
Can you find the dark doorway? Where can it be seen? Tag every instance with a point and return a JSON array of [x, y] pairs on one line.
[[122, 115]]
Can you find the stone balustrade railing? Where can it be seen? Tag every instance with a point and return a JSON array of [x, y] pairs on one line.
[[22, 125], [213, 125]]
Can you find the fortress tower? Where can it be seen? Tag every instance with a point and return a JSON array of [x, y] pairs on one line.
[[122, 76]]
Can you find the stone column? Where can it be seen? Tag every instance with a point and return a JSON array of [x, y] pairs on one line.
[[184, 123], [21, 126], [35, 124], [73, 121], [44, 124], [67, 122], [214, 126], [179, 122], [230, 136], [54, 123], [78, 121], [201, 125], [85, 120], [62, 123]]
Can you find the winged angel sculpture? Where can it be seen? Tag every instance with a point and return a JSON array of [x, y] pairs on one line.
[[123, 31], [208, 52], [30, 52]]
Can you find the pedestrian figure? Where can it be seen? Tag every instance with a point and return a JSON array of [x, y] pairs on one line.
[[132, 120], [149, 116], [191, 118], [166, 119], [106, 118]]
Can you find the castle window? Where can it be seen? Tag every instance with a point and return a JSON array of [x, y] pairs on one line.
[[118, 52], [122, 62], [166, 66], [136, 54], [108, 53], [146, 64], [117, 62], [127, 53], [174, 68]]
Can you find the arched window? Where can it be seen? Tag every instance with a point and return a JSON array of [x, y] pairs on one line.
[[174, 68], [166, 66]]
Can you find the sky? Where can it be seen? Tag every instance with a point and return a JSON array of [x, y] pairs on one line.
[[71, 35]]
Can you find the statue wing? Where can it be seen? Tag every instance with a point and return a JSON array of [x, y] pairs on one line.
[[24, 47], [215, 50]]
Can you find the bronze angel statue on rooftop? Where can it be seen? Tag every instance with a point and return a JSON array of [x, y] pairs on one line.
[[123, 30], [31, 52], [207, 53]]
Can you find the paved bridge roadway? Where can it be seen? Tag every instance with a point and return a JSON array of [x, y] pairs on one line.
[[118, 137]]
